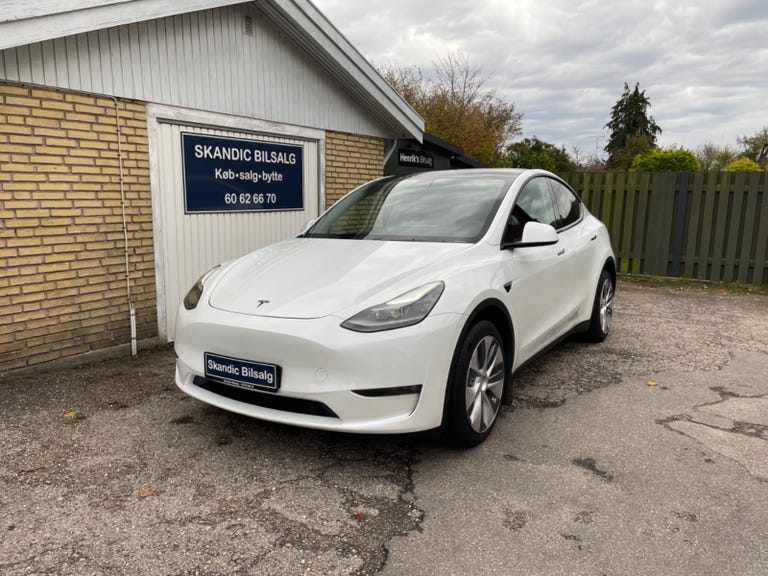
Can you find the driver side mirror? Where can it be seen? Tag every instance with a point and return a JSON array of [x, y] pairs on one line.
[[534, 234]]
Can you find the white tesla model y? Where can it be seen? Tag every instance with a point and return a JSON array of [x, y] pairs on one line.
[[406, 306]]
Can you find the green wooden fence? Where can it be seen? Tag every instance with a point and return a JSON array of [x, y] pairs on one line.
[[702, 225]]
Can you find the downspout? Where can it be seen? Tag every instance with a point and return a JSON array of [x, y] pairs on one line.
[[132, 310]]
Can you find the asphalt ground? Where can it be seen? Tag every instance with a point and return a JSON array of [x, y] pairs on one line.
[[646, 454]]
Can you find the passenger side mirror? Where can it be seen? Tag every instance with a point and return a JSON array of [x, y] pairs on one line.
[[534, 234]]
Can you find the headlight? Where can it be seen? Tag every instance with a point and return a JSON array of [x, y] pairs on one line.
[[405, 310], [193, 296]]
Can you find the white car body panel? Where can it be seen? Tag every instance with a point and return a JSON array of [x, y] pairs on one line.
[[284, 305], [312, 278], [322, 362]]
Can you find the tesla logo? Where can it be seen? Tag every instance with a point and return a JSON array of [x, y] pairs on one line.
[[262, 302]]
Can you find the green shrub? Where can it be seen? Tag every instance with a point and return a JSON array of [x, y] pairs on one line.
[[656, 160], [743, 165]]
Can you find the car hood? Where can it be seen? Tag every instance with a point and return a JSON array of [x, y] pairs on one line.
[[312, 278]]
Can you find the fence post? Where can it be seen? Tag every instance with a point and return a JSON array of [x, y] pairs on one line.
[[678, 225]]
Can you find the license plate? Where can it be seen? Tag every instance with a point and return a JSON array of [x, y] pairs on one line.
[[242, 373]]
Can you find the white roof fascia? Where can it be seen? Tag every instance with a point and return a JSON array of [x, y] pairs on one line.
[[23, 9], [21, 24], [311, 30]]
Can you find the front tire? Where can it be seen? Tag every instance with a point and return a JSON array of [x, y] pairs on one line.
[[602, 309], [477, 384]]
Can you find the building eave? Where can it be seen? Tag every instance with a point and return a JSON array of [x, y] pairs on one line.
[[55, 19], [310, 29]]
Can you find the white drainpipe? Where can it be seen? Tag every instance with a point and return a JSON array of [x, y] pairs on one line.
[[132, 310]]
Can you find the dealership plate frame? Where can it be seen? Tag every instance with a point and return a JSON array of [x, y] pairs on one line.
[[245, 374]]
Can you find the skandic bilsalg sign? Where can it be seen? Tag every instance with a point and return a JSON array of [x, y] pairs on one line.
[[240, 175]]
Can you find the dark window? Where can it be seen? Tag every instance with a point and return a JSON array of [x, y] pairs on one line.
[[533, 204], [444, 207], [567, 204]]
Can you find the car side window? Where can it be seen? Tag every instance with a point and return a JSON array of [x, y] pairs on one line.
[[567, 204], [533, 204]]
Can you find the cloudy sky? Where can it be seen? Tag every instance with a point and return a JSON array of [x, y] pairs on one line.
[[703, 63]]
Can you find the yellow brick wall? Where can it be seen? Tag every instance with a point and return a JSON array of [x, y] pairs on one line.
[[350, 160], [62, 250]]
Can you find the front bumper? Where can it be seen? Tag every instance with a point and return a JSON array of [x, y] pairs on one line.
[[324, 365]]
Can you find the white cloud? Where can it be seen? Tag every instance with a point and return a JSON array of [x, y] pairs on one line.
[[703, 63]]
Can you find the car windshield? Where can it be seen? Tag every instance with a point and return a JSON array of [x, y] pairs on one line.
[[435, 208]]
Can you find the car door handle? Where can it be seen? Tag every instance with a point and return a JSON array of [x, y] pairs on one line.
[[561, 252]]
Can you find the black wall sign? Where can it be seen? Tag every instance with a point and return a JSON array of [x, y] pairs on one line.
[[238, 175], [414, 159]]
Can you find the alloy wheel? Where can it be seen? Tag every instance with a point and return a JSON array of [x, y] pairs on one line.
[[606, 306], [485, 384]]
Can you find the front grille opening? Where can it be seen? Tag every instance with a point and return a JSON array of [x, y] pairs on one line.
[[397, 391], [266, 399]]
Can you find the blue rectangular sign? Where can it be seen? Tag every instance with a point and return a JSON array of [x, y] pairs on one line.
[[239, 175]]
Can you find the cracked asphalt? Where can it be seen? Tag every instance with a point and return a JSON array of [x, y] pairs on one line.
[[646, 454]]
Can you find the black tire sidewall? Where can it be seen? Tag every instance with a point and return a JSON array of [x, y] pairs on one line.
[[596, 333], [458, 426]]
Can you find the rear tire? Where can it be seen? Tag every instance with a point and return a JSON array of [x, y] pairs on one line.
[[477, 384], [602, 309]]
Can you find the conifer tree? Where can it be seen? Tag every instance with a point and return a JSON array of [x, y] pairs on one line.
[[630, 125]]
